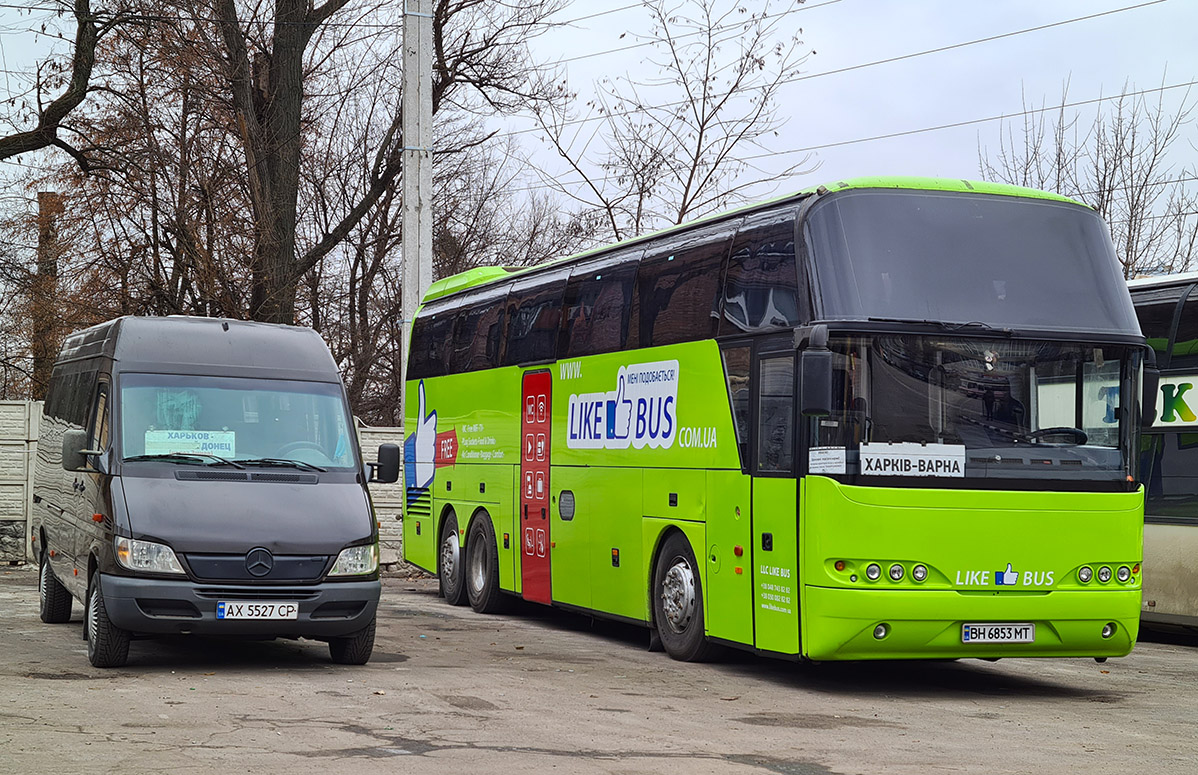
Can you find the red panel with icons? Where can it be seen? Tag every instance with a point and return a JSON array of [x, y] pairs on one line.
[[534, 486]]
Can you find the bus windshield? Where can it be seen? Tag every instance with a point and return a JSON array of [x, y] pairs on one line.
[[955, 258], [975, 408], [165, 415]]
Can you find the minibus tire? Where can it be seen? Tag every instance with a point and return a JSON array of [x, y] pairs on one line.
[[482, 568], [453, 580], [54, 601], [107, 644], [677, 574], [354, 649]]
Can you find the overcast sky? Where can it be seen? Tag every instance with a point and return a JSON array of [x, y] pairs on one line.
[[1148, 44]]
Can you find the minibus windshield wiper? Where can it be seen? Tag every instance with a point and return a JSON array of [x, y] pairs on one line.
[[196, 458], [947, 325], [281, 462]]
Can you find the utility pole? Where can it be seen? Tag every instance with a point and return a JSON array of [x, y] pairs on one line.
[[417, 164], [43, 307]]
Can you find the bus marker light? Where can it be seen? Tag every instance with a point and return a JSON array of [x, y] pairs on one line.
[[1135, 568], [1084, 574], [896, 572], [738, 551], [1104, 574], [739, 570], [919, 572], [873, 571], [881, 631], [507, 540], [1124, 573], [839, 565], [1108, 630]]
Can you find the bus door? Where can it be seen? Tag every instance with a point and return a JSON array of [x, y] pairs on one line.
[[534, 485], [775, 504]]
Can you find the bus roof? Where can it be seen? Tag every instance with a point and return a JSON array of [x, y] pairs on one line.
[[474, 278], [1162, 280]]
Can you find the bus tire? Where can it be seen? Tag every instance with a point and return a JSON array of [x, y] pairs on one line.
[[678, 603], [450, 570], [354, 649], [54, 601], [482, 568], [107, 644]]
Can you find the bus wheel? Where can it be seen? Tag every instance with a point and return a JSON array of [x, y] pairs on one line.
[[107, 644], [54, 601], [482, 568], [449, 567], [678, 602]]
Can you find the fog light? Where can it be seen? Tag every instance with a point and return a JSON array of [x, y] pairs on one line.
[[919, 573], [1104, 574], [873, 571], [896, 572], [1123, 574], [1084, 574], [881, 631], [1108, 630]]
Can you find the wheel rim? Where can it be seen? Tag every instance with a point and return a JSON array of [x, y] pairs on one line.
[[43, 583], [92, 616], [449, 553], [678, 595], [476, 565]]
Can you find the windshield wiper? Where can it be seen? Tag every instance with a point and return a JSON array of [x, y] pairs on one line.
[[947, 325], [195, 458], [280, 462]]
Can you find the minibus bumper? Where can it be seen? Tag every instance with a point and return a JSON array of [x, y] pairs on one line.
[[168, 606]]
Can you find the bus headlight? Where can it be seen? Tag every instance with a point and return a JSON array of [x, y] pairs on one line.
[[1084, 574], [1123, 574], [1104, 573], [357, 560], [896, 572], [873, 571], [146, 556], [919, 572]]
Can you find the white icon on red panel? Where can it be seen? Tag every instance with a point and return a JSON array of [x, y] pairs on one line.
[[528, 485], [540, 543], [528, 541], [528, 448], [540, 485], [541, 408], [540, 446], [530, 409]]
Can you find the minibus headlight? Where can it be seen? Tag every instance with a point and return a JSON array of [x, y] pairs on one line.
[[146, 556], [357, 561]]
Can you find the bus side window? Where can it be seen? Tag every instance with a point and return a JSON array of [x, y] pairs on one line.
[[1185, 342], [595, 309], [431, 337], [775, 414], [736, 374], [761, 290], [476, 335], [533, 321], [97, 437], [1156, 310], [677, 298], [1171, 482]]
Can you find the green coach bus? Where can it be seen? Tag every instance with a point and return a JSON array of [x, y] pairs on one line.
[[887, 418]]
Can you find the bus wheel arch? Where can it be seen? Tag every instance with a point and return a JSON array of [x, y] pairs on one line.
[[481, 566], [676, 592], [450, 570]]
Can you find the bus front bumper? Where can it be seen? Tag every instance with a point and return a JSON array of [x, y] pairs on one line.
[[927, 624]]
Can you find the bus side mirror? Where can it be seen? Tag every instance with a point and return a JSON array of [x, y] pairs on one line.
[[73, 442], [386, 470], [815, 383]]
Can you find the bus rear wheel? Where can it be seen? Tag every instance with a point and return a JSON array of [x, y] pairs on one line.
[[449, 566], [678, 603], [482, 568]]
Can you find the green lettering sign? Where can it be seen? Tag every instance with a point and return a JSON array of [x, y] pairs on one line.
[[1173, 402]]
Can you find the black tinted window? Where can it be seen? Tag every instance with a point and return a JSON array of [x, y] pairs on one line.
[[1155, 309], [775, 414], [478, 332], [595, 313], [431, 337], [677, 289], [1185, 343], [762, 287], [1169, 470], [534, 317]]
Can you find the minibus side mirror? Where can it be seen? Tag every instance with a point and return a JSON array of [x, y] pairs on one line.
[[1152, 386], [815, 383], [386, 470], [74, 456]]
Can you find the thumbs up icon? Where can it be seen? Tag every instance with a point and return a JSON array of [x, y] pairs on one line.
[[1006, 578], [619, 413]]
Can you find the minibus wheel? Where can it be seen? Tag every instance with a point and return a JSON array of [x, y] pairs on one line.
[[54, 601], [107, 644], [450, 570], [482, 568], [354, 649], [678, 602]]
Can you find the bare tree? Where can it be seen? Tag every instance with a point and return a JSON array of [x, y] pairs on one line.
[[659, 149], [1121, 165]]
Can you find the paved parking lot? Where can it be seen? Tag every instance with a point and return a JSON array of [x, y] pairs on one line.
[[449, 691]]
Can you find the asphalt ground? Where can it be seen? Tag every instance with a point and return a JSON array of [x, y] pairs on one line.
[[451, 691]]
